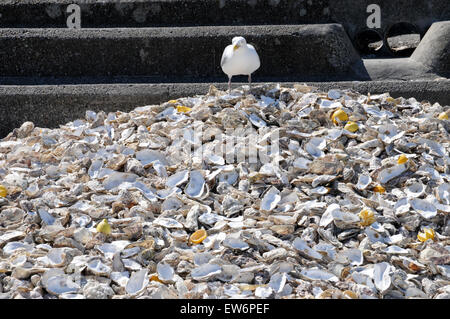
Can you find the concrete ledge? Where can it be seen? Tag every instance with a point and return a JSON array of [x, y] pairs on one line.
[[434, 49], [49, 106], [145, 13], [310, 52]]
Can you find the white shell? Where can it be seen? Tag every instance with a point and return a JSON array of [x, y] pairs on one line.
[[235, 243], [56, 257], [424, 208], [277, 282], [109, 249], [301, 163], [389, 173], [98, 268], [327, 216], [381, 276], [315, 147], [443, 193], [263, 292], [396, 250], [303, 247], [165, 272], [46, 217], [149, 156], [205, 272], [168, 222], [61, 284], [95, 167], [318, 274], [137, 282], [117, 178], [351, 256], [363, 181], [177, 178], [270, 199], [402, 206], [257, 121], [415, 190], [196, 185]]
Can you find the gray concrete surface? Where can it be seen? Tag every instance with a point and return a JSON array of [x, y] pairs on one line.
[[434, 49], [50, 106], [309, 52]]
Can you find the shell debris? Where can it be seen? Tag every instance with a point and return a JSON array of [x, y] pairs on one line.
[[272, 192]]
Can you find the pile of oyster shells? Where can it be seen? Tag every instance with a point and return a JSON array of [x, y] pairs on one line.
[[354, 204]]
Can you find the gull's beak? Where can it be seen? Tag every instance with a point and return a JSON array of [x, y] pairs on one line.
[[235, 47]]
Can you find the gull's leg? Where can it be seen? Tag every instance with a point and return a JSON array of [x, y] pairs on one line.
[[250, 80], [229, 84]]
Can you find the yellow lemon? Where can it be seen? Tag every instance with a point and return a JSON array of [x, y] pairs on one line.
[[367, 217], [402, 159], [443, 116], [340, 115], [104, 227], [173, 101], [351, 126], [379, 189], [427, 233], [3, 191], [183, 109], [198, 236]]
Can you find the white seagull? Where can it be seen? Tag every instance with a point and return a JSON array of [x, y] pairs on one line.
[[239, 58]]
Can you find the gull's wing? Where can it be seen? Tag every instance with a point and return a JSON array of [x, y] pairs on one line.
[[227, 53]]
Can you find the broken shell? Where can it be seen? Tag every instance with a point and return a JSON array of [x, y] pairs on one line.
[[205, 272], [318, 274], [424, 208], [363, 181], [196, 185], [98, 268], [235, 243], [381, 275], [61, 284], [137, 282], [270, 199], [165, 273], [443, 193], [389, 173], [415, 190]]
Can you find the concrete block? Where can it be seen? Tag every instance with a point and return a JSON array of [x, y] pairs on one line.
[[308, 52]]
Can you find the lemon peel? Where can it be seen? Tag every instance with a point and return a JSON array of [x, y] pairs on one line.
[[183, 109], [402, 159], [367, 217], [427, 233], [351, 126], [198, 236], [104, 227], [340, 115], [3, 191], [379, 189]]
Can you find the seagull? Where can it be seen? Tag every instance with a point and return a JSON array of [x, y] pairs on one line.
[[239, 58]]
